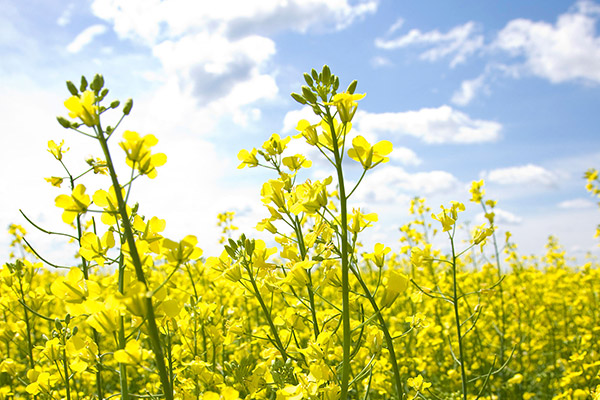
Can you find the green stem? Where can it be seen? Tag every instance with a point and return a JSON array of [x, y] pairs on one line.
[[151, 319], [461, 358], [267, 314], [386, 333], [311, 293], [66, 372], [346, 332]]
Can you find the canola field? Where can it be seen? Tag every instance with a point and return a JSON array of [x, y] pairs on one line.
[[312, 315]]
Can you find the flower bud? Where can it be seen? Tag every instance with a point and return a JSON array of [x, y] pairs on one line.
[[298, 98], [326, 75], [64, 122], [97, 83], [115, 104], [314, 74], [83, 85], [352, 87], [309, 80], [127, 106], [72, 89], [309, 95]]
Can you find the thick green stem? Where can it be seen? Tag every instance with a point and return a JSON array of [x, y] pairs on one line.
[[128, 232], [461, 358], [66, 372], [346, 332]]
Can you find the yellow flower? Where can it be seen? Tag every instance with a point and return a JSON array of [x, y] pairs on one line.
[[378, 255], [346, 104], [308, 131], [275, 145], [138, 153], [515, 380], [182, 252], [360, 221], [418, 383], [74, 205], [369, 156], [396, 283], [54, 181], [132, 354], [108, 201], [477, 191], [83, 107], [448, 217], [57, 150], [296, 162], [247, 158], [94, 249]]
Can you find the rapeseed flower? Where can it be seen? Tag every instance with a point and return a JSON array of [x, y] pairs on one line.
[[83, 107]]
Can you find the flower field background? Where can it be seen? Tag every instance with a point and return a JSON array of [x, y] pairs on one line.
[[312, 314]]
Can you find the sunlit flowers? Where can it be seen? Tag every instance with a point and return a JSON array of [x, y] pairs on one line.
[[448, 216], [247, 158], [83, 107], [369, 156], [346, 104], [418, 383], [57, 149], [139, 155], [94, 248], [75, 204]]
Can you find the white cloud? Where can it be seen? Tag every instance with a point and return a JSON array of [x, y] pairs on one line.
[[468, 90], [405, 156], [567, 50], [459, 43], [85, 38], [579, 203], [396, 25], [219, 56], [379, 61], [387, 183], [66, 15], [432, 125], [290, 121], [521, 175], [153, 20]]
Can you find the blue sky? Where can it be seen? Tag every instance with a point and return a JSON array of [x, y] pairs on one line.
[[505, 91]]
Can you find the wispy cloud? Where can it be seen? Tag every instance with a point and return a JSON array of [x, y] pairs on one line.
[[85, 38], [468, 90], [458, 43], [66, 15]]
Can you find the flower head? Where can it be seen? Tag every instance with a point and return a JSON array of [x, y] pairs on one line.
[[83, 107]]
